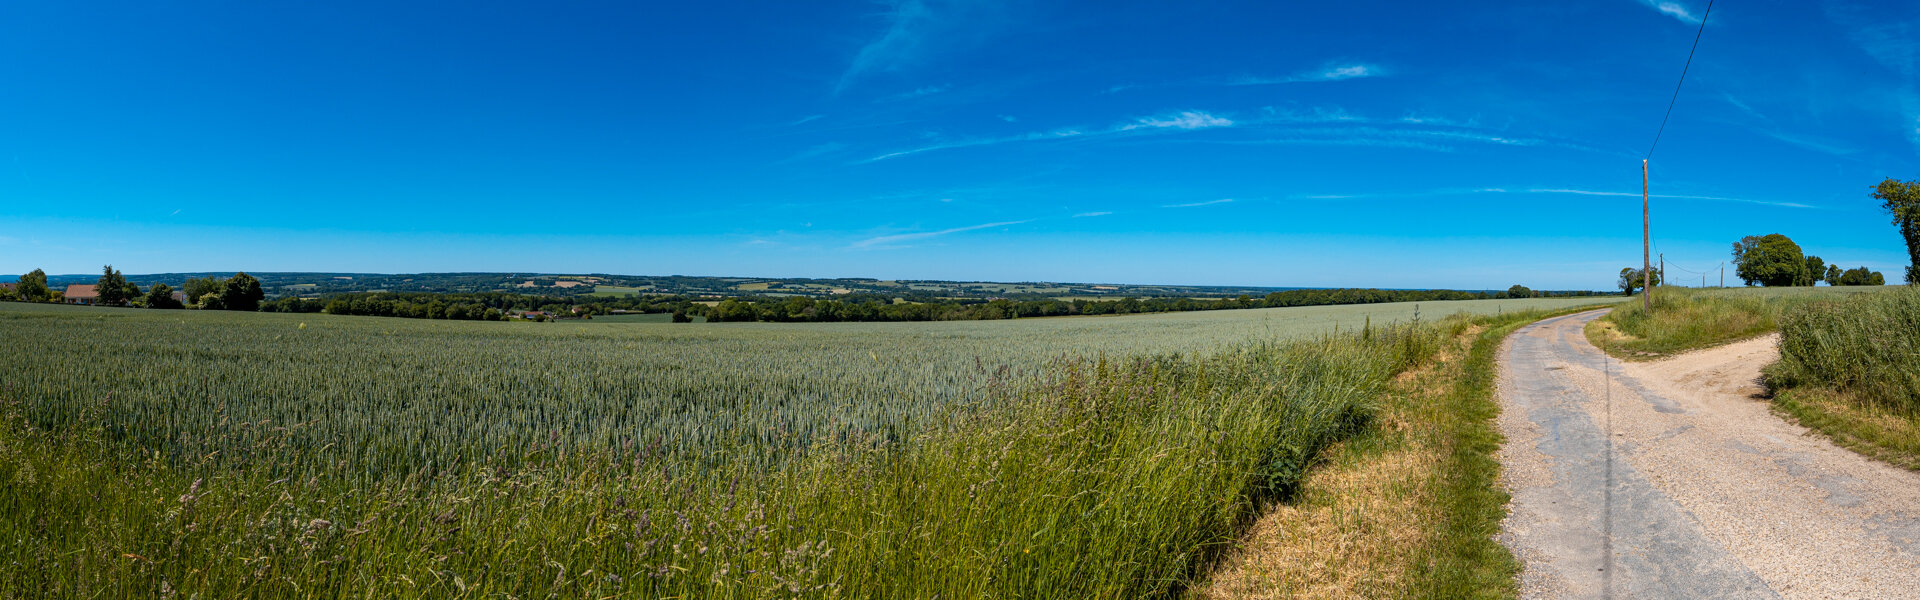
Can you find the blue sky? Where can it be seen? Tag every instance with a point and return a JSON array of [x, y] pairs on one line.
[[1385, 144]]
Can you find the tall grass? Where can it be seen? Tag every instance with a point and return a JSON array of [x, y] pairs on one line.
[[1685, 319], [257, 460], [1868, 346]]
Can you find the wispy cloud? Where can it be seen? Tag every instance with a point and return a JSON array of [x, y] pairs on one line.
[[1193, 204], [1100, 213], [1666, 196], [1893, 43], [919, 92], [901, 41], [896, 239], [1768, 127], [1505, 190], [1330, 72], [1181, 121], [815, 152], [1673, 9], [1186, 120], [806, 119]]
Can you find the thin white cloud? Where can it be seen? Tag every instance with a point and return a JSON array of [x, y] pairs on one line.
[[1773, 130], [1673, 9], [1181, 121], [1185, 120], [1330, 72], [899, 42], [890, 240], [919, 92], [806, 119], [1349, 72], [1193, 204], [815, 152], [919, 31], [1100, 213], [1894, 44], [1666, 196]]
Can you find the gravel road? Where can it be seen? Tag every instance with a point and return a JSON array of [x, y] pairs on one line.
[[1672, 479]]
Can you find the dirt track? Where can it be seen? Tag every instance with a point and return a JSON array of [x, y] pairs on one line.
[[1672, 479]]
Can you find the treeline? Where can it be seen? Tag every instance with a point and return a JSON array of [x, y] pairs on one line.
[[477, 306], [239, 292], [243, 292], [809, 310]]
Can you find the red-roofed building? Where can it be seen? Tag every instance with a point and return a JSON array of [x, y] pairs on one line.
[[82, 293]]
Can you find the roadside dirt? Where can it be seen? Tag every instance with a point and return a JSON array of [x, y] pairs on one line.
[[1673, 478]]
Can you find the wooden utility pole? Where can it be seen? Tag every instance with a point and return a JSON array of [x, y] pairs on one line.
[[1663, 268], [1646, 241], [1723, 273]]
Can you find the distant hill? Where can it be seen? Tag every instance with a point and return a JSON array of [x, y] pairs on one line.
[[602, 284]]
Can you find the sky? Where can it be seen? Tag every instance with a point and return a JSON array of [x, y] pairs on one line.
[[1348, 144]]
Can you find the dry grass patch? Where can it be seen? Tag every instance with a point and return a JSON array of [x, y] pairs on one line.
[[1355, 528]]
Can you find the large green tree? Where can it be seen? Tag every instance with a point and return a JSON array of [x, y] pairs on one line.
[[1833, 275], [1519, 291], [1902, 199], [200, 287], [1816, 269], [161, 296], [33, 286], [112, 287], [242, 292], [1771, 260]]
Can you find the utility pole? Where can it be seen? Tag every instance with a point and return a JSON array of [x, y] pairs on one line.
[[1723, 273], [1646, 241], [1663, 268]]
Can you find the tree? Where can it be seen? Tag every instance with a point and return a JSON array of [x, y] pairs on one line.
[[161, 296], [1816, 269], [1519, 291], [1833, 275], [1862, 276], [242, 292], [112, 287], [198, 287], [1902, 200], [1770, 260], [33, 287], [1632, 279]]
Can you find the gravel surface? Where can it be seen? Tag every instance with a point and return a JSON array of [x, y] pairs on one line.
[[1674, 479]]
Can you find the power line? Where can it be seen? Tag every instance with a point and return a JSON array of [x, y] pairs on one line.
[[1683, 79]]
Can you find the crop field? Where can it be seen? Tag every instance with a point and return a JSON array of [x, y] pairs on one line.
[[254, 454]]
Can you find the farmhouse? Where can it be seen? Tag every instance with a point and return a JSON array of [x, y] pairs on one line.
[[82, 293]]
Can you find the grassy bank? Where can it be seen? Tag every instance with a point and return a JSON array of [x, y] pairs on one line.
[[1406, 509], [1850, 368], [1686, 319], [251, 456]]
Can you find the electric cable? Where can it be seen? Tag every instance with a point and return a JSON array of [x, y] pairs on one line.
[[1683, 79]]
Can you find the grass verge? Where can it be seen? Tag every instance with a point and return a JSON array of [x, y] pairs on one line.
[[1406, 509], [1851, 369]]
